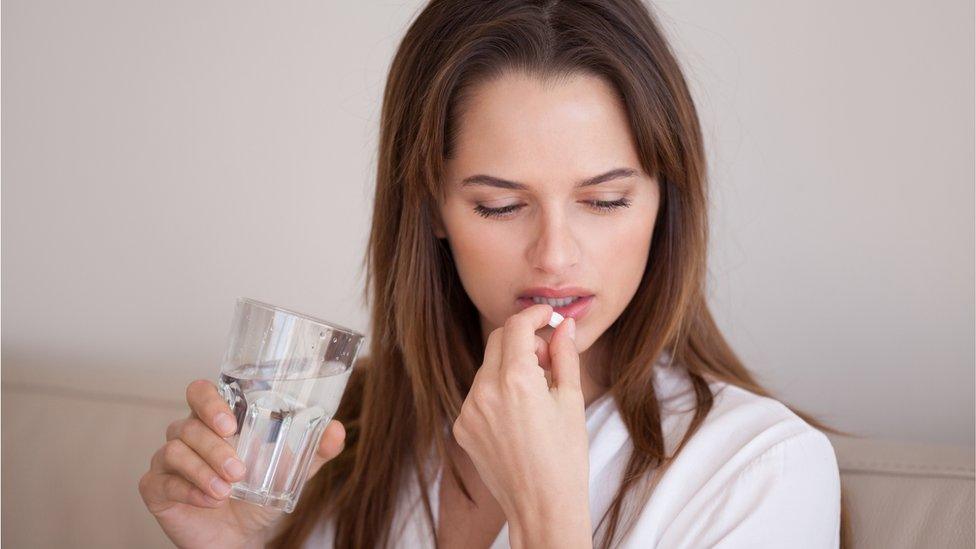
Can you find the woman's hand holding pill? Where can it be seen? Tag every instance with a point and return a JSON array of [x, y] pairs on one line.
[[188, 482], [528, 439]]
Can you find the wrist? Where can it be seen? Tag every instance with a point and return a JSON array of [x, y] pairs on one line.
[[260, 539], [565, 525]]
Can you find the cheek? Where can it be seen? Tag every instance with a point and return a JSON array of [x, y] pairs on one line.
[[472, 258], [482, 259], [636, 245], [622, 263], [473, 246]]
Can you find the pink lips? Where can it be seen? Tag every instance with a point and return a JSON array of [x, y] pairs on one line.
[[576, 309]]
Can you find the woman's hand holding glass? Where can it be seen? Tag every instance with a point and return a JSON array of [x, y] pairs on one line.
[[188, 482]]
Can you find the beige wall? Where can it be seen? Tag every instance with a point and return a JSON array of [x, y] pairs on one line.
[[163, 158]]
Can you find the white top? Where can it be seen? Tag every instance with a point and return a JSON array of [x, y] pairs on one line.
[[754, 475]]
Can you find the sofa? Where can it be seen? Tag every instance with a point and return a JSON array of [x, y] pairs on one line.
[[72, 457]]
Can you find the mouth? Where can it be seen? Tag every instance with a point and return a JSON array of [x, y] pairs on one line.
[[570, 306]]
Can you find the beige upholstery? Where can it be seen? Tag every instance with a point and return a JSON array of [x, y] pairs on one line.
[[71, 467], [72, 459], [907, 495]]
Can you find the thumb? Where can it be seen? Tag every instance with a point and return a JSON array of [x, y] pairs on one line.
[[330, 445], [564, 358]]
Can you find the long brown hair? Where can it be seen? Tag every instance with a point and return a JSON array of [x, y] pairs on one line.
[[426, 342]]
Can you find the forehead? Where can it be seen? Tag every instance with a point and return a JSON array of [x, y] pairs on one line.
[[519, 126]]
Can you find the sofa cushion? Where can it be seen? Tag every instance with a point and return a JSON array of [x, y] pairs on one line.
[[907, 495], [71, 467]]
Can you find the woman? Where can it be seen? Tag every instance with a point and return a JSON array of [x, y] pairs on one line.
[[531, 154]]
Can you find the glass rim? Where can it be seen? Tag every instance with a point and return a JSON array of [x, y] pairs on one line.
[[324, 323]]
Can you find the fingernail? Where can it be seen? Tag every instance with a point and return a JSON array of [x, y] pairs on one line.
[[225, 423], [220, 487], [234, 467], [572, 328]]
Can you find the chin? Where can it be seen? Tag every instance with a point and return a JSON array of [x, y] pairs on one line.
[[582, 342]]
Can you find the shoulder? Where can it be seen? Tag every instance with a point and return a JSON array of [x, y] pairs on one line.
[[753, 472], [754, 428], [741, 427]]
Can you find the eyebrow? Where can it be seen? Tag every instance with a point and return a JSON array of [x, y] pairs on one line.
[[491, 181]]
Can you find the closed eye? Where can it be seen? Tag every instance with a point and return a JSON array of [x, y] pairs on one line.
[[601, 205]]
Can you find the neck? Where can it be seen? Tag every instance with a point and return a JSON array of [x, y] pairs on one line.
[[593, 369]]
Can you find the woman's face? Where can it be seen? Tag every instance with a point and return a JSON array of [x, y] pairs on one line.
[[525, 149]]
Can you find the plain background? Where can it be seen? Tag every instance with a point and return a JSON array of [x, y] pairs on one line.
[[163, 158]]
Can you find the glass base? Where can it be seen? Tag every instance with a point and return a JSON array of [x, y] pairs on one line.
[[265, 499]]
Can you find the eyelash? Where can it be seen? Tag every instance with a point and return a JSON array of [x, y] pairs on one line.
[[605, 205]]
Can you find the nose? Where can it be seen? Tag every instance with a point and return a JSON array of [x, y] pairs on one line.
[[554, 249]]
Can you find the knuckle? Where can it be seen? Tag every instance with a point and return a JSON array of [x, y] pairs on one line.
[[187, 429], [482, 400], [516, 382], [202, 473], [144, 481], [509, 379], [473, 398], [197, 435], [218, 451], [573, 396], [173, 488], [486, 391], [172, 450], [173, 429]]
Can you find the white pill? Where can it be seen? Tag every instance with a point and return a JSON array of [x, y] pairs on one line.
[[556, 319]]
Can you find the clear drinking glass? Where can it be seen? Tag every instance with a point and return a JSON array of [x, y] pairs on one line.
[[283, 375]]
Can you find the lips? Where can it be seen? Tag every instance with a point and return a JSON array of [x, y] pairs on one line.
[[569, 291], [576, 309]]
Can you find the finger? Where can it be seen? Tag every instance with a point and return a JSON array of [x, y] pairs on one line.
[[161, 490], [565, 358], [542, 353], [209, 406], [216, 451], [518, 342], [331, 444], [545, 360], [493, 354], [176, 457]]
